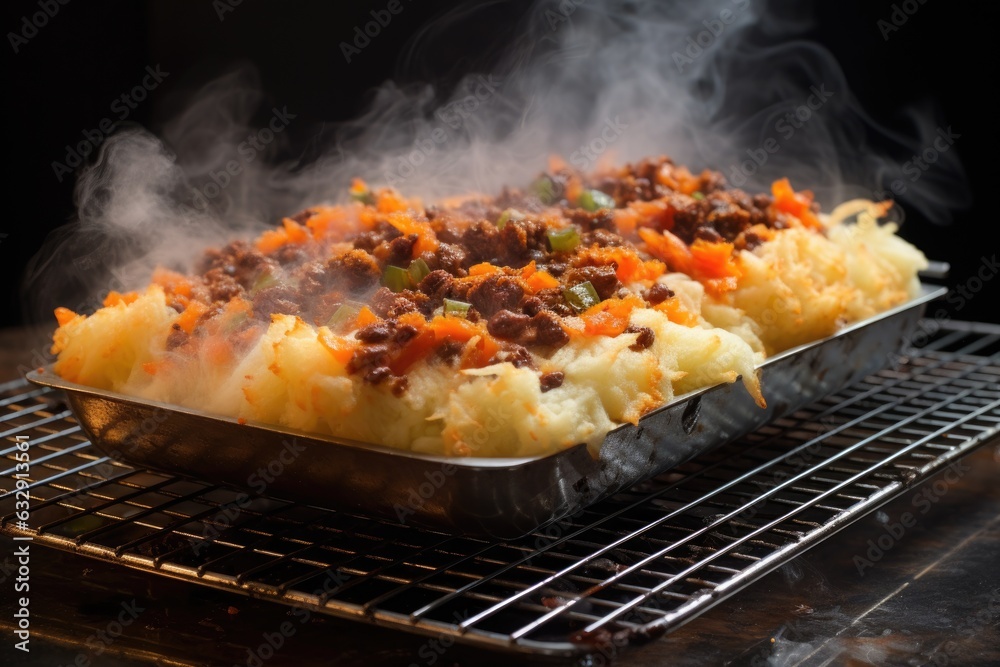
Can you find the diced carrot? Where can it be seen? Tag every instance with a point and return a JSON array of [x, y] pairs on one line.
[[454, 328], [237, 305], [656, 213], [610, 317], [676, 312], [782, 190], [172, 282], [365, 317], [714, 259], [482, 348], [367, 216], [418, 347], [463, 331], [537, 280], [114, 298], [296, 232], [290, 232], [152, 367], [328, 219], [665, 176], [271, 240], [718, 287], [678, 178], [650, 269], [479, 352], [389, 201], [189, 317], [798, 204], [626, 221], [574, 188], [688, 183], [629, 267], [540, 280], [414, 319], [484, 269], [407, 224], [64, 316], [669, 248], [340, 348]]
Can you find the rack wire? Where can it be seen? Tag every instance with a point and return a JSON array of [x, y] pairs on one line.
[[628, 569]]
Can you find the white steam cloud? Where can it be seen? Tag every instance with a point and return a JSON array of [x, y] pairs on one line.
[[726, 85]]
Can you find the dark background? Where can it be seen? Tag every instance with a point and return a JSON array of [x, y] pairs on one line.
[[65, 78]]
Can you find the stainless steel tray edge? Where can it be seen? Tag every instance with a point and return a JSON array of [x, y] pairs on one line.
[[504, 498]]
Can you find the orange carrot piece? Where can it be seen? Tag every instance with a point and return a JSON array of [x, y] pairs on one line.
[[608, 318], [714, 259], [296, 233], [629, 267], [656, 213], [64, 316], [540, 280], [340, 348], [407, 224], [676, 312], [484, 269], [271, 240], [669, 248], [418, 348], [290, 232], [414, 319], [574, 188], [479, 353], [326, 220], [365, 317], [172, 282], [389, 201], [114, 298], [454, 328], [189, 317], [798, 204]]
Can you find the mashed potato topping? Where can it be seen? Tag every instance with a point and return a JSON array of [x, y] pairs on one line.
[[515, 325]]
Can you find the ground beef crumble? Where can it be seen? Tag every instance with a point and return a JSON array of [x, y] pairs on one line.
[[526, 319]]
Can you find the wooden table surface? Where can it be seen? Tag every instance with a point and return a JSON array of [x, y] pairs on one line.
[[933, 598]]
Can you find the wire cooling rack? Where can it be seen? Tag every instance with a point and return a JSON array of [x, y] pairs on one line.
[[628, 569]]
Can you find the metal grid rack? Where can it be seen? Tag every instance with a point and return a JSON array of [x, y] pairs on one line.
[[628, 569]]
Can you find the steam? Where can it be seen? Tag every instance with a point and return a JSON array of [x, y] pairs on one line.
[[725, 84]]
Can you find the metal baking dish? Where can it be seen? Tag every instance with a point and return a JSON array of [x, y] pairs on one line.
[[504, 498]]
